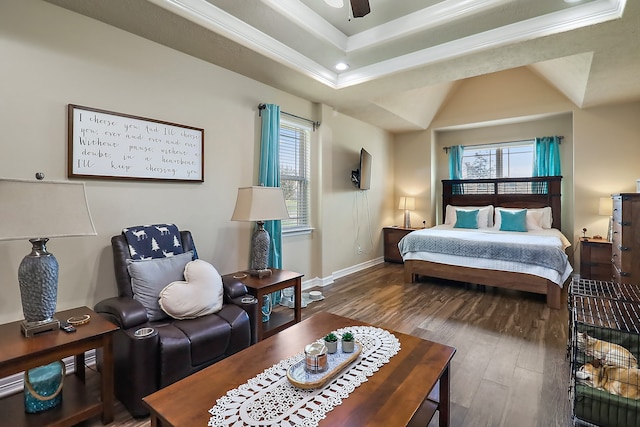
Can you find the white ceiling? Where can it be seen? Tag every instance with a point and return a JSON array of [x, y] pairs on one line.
[[406, 56]]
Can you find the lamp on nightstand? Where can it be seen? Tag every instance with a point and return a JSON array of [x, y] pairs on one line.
[[407, 204], [605, 208], [37, 211]]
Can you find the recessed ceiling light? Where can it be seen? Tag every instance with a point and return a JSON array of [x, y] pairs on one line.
[[341, 66], [335, 3]]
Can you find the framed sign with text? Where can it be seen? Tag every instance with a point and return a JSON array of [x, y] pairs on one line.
[[104, 144]]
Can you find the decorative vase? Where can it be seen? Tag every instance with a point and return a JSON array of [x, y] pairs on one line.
[[348, 346], [332, 346], [38, 278]]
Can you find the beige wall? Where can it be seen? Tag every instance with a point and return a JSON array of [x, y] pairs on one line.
[[606, 160], [53, 57], [356, 238]]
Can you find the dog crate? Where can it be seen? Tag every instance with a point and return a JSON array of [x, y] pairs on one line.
[[608, 312]]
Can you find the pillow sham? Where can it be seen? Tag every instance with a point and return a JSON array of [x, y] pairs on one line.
[[466, 219], [150, 276], [513, 220], [485, 215], [199, 294]]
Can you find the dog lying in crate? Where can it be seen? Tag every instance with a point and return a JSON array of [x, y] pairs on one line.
[[604, 336], [623, 382], [609, 354]]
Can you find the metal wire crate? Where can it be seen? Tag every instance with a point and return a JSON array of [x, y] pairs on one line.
[[595, 311]]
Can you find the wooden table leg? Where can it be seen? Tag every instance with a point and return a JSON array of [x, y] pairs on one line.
[[107, 379], [260, 298], [298, 300], [444, 404], [79, 366]]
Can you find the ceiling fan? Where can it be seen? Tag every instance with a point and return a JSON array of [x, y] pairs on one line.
[[359, 8]]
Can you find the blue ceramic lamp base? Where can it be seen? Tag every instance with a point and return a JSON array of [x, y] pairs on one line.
[[38, 278]]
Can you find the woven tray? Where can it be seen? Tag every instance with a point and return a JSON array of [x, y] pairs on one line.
[[336, 362]]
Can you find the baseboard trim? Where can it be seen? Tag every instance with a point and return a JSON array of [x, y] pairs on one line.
[[318, 282], [14, 384]]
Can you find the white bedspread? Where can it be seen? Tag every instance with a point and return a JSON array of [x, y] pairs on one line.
[[533, 237]]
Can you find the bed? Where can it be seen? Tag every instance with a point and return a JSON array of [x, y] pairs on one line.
[[540, 193]]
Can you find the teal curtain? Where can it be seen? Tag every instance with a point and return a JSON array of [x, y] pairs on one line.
[[547, 156], [455, 166], [270, 174], [270, 177]]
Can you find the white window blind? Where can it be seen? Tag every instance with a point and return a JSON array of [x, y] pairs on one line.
[[295, 137]]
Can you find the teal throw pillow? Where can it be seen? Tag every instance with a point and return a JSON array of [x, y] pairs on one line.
[[466, 219], [513, 220]]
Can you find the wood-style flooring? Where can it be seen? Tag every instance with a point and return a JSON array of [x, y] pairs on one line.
[[510, 368]]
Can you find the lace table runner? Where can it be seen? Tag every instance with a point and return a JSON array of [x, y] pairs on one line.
[[269, 399]]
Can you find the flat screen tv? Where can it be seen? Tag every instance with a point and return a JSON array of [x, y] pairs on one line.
[[361, 177]]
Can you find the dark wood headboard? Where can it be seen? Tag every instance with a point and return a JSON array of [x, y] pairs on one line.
[[535, 192]]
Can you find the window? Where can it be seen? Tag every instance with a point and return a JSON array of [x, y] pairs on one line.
[[294, 173], [505, 160]]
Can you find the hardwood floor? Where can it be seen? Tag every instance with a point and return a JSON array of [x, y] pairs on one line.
[[510, 368]]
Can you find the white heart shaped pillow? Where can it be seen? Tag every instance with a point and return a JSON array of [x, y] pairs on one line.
[[198, 295]]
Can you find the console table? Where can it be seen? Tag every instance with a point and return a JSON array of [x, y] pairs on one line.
[[18, 354]]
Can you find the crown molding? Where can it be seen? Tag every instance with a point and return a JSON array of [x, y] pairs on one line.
[[215, 19], [421, 20], [307, 19], [556, 22]]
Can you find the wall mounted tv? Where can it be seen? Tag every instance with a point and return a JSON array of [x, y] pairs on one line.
[[361, 177]]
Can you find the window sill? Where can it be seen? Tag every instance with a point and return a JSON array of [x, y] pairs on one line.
[[297, 232]]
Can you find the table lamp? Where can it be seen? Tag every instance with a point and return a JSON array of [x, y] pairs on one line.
[[37, 211], [605, 208], [407, 204], [260, 204]]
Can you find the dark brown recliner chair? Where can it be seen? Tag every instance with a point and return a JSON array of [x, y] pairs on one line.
[[175, 348]]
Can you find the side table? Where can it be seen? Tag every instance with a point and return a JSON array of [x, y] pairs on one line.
[[595, 259], [391, 237], [18, 354], [259, 287]]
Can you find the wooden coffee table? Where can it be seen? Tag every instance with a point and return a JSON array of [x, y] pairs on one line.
[[406, 391]]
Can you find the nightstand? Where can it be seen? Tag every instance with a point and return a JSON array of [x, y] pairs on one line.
[[391, 237], [595, 259]]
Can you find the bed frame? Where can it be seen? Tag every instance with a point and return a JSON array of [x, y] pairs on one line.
[[502, 192]]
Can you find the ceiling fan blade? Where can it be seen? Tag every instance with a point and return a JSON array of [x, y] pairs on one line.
[[360, 8]]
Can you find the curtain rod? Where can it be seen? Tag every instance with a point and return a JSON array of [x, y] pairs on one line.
[[313, 123], [446, 149]]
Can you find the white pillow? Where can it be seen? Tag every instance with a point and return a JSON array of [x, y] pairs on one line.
[[537, 219], [199, 294], [485, 215]]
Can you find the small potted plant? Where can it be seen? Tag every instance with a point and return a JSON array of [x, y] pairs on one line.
[[347, 342], [331, 342]]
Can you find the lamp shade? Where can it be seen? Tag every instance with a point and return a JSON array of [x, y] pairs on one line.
[[605, 207], [407, 203], [32, 209], [260, 204]]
